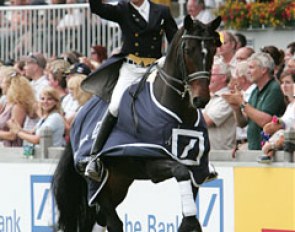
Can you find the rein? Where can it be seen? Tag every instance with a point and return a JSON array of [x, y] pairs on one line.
[[187, 78]]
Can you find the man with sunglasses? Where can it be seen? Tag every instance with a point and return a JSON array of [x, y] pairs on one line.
[[35, 64]]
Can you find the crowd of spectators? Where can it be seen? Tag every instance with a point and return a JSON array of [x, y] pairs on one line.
[[249, 89], [40, 93], [257, 93]]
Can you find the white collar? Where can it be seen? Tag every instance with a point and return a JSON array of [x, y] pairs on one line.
[[143, 9]]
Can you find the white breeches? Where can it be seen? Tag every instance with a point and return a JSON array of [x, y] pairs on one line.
[[129, 74]]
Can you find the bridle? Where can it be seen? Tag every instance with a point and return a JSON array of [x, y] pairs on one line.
[[187, 78]]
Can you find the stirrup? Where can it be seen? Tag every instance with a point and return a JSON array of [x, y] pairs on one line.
[[82, 164], [95, 170]]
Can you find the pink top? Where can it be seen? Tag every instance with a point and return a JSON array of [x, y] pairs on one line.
[[5, 115]]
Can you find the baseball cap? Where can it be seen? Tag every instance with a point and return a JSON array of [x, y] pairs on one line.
[[36, 58], [79, 68]]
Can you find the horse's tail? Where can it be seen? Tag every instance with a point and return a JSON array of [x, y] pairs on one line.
[[70, 192]]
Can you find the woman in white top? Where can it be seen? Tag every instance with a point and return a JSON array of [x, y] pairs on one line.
[[278, 125], [79, 95], [51, 119]]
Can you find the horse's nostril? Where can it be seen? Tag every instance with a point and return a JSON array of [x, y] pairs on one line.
[[199, 102]]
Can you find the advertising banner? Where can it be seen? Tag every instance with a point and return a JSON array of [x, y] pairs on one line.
[[27, 204], [152, 207], [264, 199]]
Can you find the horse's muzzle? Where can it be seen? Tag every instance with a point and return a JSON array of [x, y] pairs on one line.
[[200, 102]]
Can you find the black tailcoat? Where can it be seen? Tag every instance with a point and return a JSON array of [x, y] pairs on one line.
[[141, 38]]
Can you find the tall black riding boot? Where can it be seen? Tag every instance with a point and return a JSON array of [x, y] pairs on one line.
[[94, 169]]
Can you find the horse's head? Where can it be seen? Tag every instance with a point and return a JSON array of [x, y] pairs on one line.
[[195, 55]]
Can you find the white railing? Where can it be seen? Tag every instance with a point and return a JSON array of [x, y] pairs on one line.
[[53, 29]]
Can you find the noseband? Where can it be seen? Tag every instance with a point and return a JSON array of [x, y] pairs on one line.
[[187, 78]]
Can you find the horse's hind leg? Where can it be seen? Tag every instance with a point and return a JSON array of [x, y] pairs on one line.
[[188, 195], [100, 220], [114, 224], [111, 196]]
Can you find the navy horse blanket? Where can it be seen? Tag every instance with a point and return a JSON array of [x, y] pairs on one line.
[[144, 129]]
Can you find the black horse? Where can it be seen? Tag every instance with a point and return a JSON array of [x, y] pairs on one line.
[[179, 146]]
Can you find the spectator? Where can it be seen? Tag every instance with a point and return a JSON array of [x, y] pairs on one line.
[[72, 20], [56, 72], [19, 21], [78, 94], [4, 72], [218, 114], [245, 85], [19, 66], [58, 1], [71, 57], [244, 81], [37, 2], [74, 86], [266, 99], [278, 58], [98, 55], [18, 2], [34, 68], [243, 53], [51, 118], [232, 83], [20, 102], [69, 105], [290, 51], [196, 9], [228, 48], [241, 40], [277, 126], [290, 65]]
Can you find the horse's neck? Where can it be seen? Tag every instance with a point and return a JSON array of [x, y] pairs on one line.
[[172, 100]]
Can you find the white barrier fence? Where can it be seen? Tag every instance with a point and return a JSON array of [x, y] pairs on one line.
[[27, 202], [53, 29]]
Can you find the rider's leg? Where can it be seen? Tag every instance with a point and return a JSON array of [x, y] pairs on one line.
[[107, 123], [128, 75], [94, 169]]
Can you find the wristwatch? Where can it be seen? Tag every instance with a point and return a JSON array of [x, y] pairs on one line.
[[243, 105]]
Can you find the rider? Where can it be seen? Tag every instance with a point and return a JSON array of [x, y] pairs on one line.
[[143, 24]]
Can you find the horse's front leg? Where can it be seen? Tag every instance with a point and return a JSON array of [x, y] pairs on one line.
[[189, 222]]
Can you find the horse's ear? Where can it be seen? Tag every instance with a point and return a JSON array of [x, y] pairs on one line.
[[215, 23], [217, 40], [188, 23]]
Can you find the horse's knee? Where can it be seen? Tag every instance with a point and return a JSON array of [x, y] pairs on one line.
[[180, 172]]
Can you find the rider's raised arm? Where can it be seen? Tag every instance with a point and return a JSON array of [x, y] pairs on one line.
[[169, 24], [106, 11]]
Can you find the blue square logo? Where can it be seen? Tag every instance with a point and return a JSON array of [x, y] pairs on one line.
[[210, 206], [42, 204]]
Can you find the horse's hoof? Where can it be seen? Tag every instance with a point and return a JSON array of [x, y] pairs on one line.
[[190, 224]]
